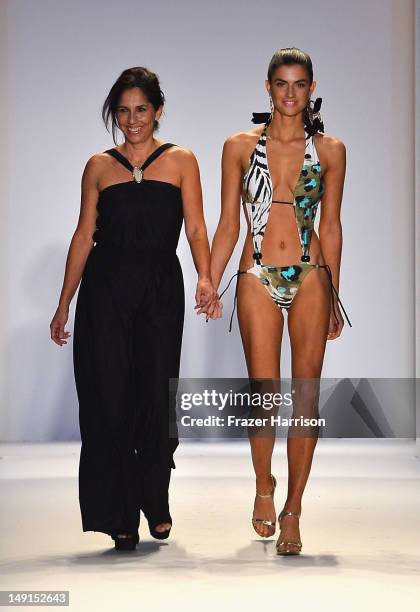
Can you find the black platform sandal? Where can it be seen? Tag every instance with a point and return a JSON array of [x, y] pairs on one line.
[[127, 541], [159, 535], [156, 511], [155, 500]]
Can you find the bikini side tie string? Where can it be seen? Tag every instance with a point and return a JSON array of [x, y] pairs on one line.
[[236, 294], [334, 290]]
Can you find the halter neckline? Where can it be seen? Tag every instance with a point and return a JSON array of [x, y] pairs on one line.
[[153, 155]]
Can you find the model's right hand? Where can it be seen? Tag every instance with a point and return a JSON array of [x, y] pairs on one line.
[[58, 334]]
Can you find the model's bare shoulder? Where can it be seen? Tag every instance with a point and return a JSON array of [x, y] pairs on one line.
[[331, 150], [330, 144], [243, 139], [241, 144]]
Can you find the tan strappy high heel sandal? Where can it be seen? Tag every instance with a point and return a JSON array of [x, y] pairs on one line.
[[296, 546], [260, 521]]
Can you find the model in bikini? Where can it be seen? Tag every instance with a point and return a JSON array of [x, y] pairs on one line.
[[282, 172]]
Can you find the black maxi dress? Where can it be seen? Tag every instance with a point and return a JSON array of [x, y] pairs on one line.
[[127, 343]]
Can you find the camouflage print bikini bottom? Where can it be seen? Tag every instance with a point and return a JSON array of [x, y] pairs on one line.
[[283, 283]]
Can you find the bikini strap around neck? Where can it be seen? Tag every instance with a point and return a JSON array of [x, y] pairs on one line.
[[314, 152], [264, 131]]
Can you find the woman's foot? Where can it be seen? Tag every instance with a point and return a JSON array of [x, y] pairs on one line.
[[289, 539], [264, 516], [161, 531], [162, 527], [125, 541]]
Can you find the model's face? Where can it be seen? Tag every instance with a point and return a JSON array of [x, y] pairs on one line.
[[136, 115], [290, 89]]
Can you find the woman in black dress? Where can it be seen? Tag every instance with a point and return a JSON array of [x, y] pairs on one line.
[[130, 311]]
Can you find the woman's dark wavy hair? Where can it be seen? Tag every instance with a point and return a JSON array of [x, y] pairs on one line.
[[132, 77], [293, 55]]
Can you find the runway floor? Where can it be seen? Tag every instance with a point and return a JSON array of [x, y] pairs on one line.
[[360, 529]]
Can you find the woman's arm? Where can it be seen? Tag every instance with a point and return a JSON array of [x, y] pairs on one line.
[[80, 246], [195, 228], [227, 232], [330, 231]]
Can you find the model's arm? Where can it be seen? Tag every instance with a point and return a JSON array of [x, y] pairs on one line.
[[195, 228], [80, 246], [330, 232], [227, 232]]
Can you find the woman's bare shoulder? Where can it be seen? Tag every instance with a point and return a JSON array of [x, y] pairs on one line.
[[244, 138], [242, 142], [331, 150], [180, 153], [181, 158], [331, 144], [95, 165], [97, 161]]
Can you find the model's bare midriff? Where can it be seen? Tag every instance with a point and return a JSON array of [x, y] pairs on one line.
[[281, 245]]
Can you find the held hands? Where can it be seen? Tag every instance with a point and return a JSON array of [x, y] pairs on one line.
[[58, 334], [207, 300]]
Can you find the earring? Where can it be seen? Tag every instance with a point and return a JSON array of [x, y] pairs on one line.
[[271, 105]]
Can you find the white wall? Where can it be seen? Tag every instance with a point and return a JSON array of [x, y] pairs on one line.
[[62, 58]]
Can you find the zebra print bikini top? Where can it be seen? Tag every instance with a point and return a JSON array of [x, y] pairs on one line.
[[258, 194]]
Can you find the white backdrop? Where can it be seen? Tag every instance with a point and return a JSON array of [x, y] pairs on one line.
[[62, 58]]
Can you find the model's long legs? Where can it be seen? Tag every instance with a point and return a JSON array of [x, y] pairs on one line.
[[308, 321], [261, 325]]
